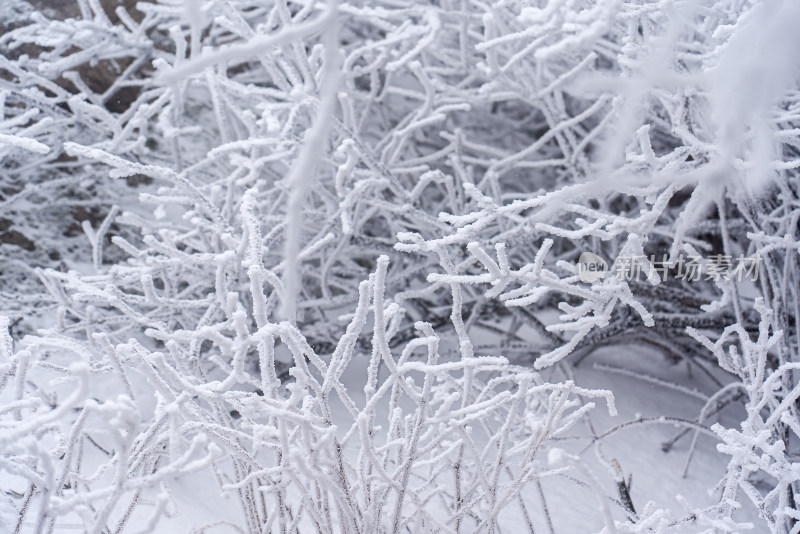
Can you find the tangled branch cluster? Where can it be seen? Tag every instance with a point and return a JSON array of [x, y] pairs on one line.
[[433, 167]]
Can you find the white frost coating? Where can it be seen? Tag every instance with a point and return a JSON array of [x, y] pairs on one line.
[[24, 142], [341, 291], [257, 45], [301, 178], [756, 67], [15, 11]]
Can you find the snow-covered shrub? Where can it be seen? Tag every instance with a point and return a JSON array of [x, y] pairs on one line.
[[683, 169], [424, 443], [61, 80], [480, 149]]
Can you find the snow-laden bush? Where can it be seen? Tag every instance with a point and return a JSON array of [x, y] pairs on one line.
[[424, 443], [60, 81], [296, 151]]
